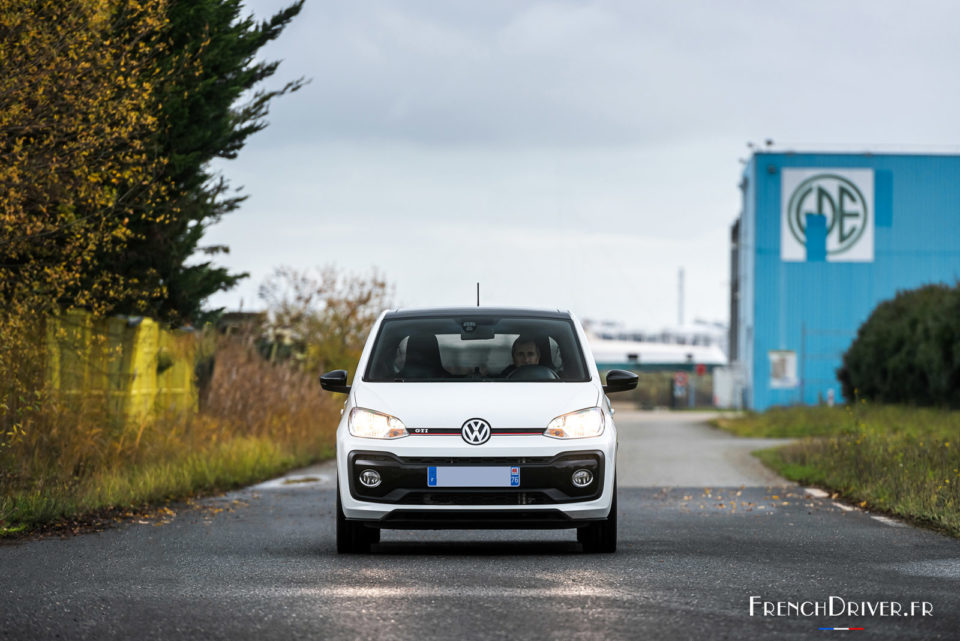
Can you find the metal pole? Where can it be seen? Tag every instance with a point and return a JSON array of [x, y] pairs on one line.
[[803, 361], [680, 297]]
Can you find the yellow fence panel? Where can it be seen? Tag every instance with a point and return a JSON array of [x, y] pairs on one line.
[[133, 367]]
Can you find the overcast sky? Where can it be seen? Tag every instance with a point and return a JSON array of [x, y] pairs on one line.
[[564, 154]]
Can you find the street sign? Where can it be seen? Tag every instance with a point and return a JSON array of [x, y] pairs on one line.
[[680, 379], [701, 369]]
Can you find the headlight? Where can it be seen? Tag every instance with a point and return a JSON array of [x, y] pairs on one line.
[[579, 424], [370, 424]]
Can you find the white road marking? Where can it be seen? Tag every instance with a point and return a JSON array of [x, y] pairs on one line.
[[815, 492], [886, 520], [938, 568], [295, 481]]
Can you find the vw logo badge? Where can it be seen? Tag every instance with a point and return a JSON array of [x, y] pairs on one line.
[[475, 431]]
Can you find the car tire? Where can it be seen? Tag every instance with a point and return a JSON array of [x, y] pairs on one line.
[[601, 537], [353, 537]]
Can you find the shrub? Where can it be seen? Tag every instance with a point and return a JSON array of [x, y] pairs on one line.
[[908, 350], [321, 318]]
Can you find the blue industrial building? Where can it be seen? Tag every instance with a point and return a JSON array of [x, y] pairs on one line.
[[821, 240]]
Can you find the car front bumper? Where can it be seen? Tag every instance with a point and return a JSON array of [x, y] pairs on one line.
[[545, 497]]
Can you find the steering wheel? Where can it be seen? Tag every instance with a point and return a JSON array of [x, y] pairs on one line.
[[533, 373]]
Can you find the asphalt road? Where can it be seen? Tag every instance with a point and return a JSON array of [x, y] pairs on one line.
[[703, 528]]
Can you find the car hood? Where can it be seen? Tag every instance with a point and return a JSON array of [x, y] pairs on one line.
[[500, 404]]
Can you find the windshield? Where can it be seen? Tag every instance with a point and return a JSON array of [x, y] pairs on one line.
[[476, 348]]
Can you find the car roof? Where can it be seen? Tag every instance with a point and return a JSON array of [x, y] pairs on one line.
[[516, 312]]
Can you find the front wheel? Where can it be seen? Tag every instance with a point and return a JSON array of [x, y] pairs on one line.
[[601, 536], [353, 537]]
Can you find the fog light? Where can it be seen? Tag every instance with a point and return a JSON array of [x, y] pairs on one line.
[[582, 478], [370, 478]]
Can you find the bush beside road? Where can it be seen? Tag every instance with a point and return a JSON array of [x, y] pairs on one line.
[[908, 351], [899, 460]]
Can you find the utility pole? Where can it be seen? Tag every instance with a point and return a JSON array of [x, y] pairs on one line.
[[680, 298]]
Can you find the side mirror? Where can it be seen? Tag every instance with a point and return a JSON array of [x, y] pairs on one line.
[[335, 381], [619, 380]]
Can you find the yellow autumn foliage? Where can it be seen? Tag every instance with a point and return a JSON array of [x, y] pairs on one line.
[[77, 109]]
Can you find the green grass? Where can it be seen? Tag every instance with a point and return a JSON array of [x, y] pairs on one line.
[[899, 460], [787, 422], [234, 463]]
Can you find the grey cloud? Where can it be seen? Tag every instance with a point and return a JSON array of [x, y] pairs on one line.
[[600, 73]]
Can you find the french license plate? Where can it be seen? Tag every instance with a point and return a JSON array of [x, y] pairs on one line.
[[473, 476]]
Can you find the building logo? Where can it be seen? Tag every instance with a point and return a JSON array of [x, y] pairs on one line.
[[834, 197], [844, 200], [475, 431]]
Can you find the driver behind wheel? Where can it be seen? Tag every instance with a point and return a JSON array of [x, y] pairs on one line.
[[525, 352]]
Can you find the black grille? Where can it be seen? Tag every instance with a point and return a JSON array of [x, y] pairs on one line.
[[476, 498]]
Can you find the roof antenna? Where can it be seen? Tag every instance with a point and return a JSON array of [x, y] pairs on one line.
[[478, 294]]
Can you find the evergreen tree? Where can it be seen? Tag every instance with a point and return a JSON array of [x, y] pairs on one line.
[[211, 67]]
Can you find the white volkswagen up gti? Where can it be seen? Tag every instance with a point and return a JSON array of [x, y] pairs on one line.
[[476, 418]]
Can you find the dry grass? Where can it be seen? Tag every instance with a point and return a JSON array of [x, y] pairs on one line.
[[256, 420]]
